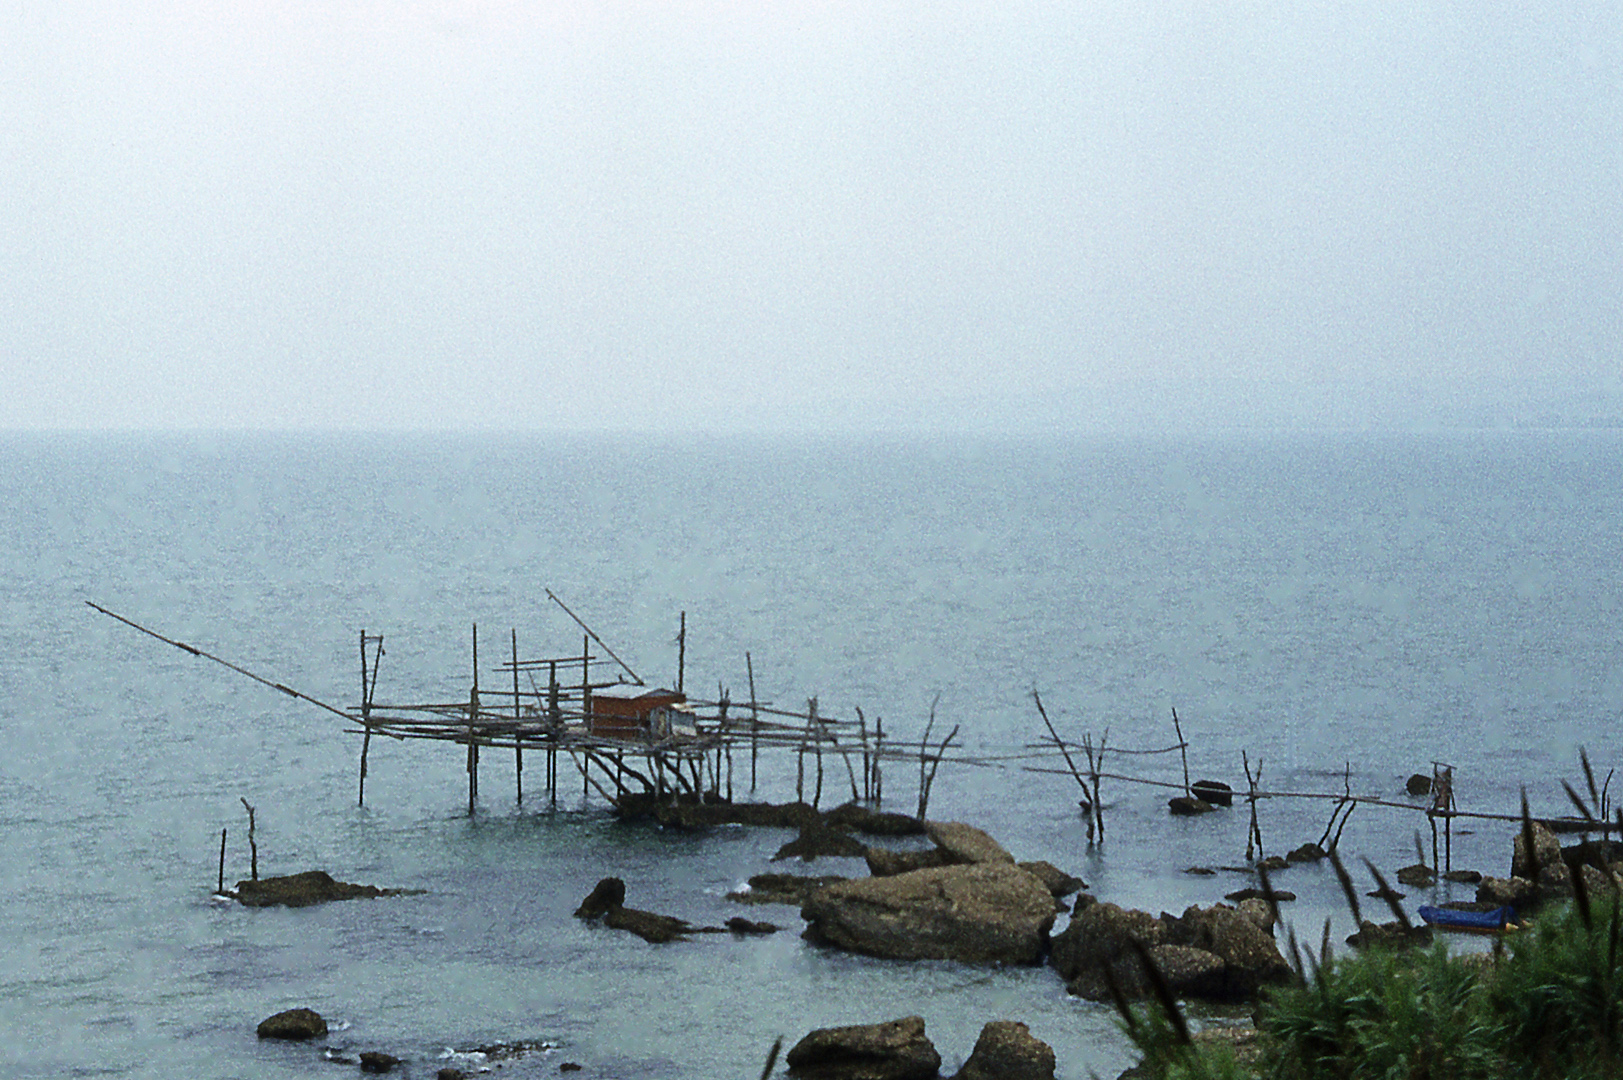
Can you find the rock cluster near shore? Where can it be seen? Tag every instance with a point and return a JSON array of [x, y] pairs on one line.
[[1219, 953], [1546, 872], [899, 1050]]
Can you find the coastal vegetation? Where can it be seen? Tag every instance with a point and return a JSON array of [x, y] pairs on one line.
[[1547, 1003]]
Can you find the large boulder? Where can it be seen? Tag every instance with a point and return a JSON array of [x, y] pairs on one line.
[[1515, 892], [608, 894], [983, 913], [1100, 938], [1251, 959], [965, 843], [1546, 852], [1217, 952], [295, 1024], [1007, 1050], [896, 1050]]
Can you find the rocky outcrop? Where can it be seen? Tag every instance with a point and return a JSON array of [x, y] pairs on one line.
[[884, 862], [854, 817], [1514, 892], [375, 1061], [1218, 952], [983, 913], [689, 813], [1546, 853], [1417, 876], [1056, 881], [817, 840], [1101, 939], [966, 844], [607, 902], [1307, 853], [896, 1050], [608, 893], [794, 889], [303, 890], [1389, 935], [1007, 1050], [1188, 806], [651, 927], [294, 1024]]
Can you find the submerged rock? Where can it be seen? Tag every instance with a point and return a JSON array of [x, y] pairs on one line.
[[295, 1024], [794, 889], [818, 841], [303, 890], [855, 817], [896, 1050], [375, 1061]]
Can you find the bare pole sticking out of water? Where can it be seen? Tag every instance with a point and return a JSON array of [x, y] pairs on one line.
[[1183, 749], [221, 886], [518, 744], [183, 647], [253, 848], [755, 721], [593, 635]]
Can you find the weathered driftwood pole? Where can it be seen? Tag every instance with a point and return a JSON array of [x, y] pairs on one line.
[[935, 763], [814, 732], [867, 764], [555, 726], [1083, 784], [221, 886], [518, 739], [1183, 750], [473, 716], [253, 848], [1253, 838], [878, 760], [366, 715], [755, 721]]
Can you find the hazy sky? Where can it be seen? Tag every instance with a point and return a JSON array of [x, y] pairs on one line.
[[533, 215]]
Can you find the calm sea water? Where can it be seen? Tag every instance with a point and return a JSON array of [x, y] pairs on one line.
[[1336, 606]]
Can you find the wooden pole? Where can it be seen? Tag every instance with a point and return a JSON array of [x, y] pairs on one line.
[[814, 731], [1183, 750], [518, 742], [878, 759], [755, 722], [366, 713], [253, 848], [592, 636], [681, 652], [473, 716], [221, 887]]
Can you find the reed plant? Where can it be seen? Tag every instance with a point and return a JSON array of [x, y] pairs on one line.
[[1547, 1006]]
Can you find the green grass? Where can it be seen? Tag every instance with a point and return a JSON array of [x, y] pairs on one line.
[[1549, 1008]]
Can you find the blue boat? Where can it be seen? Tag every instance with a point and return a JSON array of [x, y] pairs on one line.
[[1498, 921]]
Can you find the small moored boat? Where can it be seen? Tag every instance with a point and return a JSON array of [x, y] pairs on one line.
[[1498, 921]]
